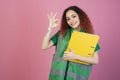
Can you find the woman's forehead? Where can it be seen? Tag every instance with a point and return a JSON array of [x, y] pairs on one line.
[[70, 13]]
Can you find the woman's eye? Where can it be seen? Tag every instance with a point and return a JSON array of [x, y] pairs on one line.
[[68, 19], [74, 16]]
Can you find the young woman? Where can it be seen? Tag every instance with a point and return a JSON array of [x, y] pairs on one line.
[[62, 69]]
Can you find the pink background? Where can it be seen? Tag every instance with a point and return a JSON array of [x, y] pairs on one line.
[[23, 24]]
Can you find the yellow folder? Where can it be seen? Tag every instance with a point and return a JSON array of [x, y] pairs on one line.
[[82, 44]]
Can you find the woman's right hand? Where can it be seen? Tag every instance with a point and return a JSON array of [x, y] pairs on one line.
[[53, 22]]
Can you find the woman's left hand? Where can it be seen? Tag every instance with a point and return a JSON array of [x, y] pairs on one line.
[[69, 55]]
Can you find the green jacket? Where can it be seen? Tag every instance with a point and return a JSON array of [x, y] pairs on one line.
[[65, 70]]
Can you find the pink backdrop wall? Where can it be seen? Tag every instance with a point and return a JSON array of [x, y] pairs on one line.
[[23, 23]]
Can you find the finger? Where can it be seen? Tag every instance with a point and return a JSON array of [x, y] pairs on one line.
[[57, 21], [66, 52], [54, 15], [65, 58], [51, 15], [65, 55]]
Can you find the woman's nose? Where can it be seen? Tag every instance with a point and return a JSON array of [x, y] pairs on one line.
[[71, 20]]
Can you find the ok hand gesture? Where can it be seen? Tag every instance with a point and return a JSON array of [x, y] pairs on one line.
[[53, 22]]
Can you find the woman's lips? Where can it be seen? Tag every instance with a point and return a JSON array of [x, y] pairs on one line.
[[72, 24]]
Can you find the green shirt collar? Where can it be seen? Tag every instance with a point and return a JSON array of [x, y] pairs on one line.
[[72, 29]]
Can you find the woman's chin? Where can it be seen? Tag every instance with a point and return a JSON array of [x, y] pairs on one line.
[[75, 27]]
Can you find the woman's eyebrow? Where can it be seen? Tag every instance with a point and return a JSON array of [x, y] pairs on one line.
[[73, 14]]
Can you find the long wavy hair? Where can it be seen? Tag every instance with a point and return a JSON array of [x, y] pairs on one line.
[[85, 23]]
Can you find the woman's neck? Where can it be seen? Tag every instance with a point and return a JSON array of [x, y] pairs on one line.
[[77, 29]]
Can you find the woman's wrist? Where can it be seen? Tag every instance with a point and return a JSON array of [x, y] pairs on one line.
[[76, 56], [50, 29], [49, 32]]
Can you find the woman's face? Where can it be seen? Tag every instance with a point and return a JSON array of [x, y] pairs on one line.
[[72, 19]]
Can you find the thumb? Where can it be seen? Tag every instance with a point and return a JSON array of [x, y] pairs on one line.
[[71, 50]]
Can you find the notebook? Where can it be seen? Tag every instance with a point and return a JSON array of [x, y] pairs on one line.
[[82, 44]]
